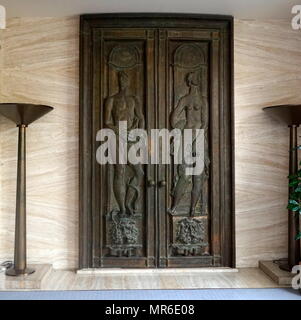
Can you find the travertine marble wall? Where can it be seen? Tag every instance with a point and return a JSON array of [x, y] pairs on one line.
[[39, 63], [267, 72]]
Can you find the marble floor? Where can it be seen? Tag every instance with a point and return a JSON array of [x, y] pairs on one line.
[[70, 280]]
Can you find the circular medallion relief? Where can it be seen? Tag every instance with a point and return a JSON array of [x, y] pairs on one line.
[[123, 57], [189, 56]]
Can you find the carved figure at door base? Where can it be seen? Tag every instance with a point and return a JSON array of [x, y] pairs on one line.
[[127, 177], [190, 231], [188, 115], [123, 230], [190, 237], [124, 235]]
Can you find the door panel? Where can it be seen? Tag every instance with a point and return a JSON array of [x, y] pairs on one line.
[[123, 91], [189, 88], [165, 72]]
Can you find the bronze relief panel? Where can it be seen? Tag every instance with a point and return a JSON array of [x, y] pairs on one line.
[[124, 101], [155, 74], [185, 205], [124, 212], [188, 86]]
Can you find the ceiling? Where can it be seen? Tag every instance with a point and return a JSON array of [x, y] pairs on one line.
[[244, 9]]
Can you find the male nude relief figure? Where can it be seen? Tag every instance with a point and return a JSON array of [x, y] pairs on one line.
[[189, 114], [127, 177]]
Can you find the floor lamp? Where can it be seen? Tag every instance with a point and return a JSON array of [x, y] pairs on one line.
[[22, 115], [291, 116]]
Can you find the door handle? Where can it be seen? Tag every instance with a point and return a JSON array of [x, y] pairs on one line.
[[162, 183], [151, 183]]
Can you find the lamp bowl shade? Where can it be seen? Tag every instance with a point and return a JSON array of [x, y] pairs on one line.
[[289, 114], [23, 113]]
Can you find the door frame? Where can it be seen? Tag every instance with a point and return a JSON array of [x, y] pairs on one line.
[[89, 22]]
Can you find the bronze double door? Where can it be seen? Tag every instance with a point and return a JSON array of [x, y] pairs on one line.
[[150, 76]]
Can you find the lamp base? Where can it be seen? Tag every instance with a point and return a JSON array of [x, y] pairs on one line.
[[271, 269], [17, 273], [285, 267]]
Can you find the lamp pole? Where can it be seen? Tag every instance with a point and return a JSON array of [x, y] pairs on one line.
[[293, 219], [20, 266], [22, 115], [291, 116]]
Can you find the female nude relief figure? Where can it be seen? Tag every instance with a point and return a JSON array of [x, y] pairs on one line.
[[191, 107]]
